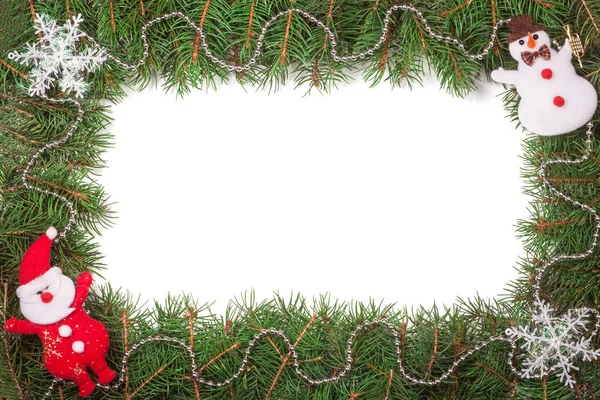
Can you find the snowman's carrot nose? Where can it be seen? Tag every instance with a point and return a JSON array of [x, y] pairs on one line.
[[531, 41]]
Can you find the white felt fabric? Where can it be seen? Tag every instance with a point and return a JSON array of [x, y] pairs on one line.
[[65, 330], [537, 109], [78, 347]]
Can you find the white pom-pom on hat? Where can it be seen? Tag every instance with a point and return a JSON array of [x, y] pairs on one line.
[[51, 233]]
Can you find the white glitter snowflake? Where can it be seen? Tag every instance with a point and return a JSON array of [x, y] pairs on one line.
[[554, 343], [55, 57]]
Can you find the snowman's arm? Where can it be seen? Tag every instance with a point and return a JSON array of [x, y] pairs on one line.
[[81, 291], [566, 52], [503, 76], [24, 327]]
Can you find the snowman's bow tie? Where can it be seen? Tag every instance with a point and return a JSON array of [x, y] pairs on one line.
[[529, 57]]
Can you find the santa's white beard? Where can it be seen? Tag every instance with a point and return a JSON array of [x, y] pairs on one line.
[[38, 312]]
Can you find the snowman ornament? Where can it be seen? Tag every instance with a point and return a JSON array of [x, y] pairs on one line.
[[554, 99], [53, 308]]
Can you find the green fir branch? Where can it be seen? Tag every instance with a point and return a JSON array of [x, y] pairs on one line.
[[297, 51]]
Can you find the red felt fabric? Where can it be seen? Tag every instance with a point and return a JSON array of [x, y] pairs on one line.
[[36, 260], [83, 346]]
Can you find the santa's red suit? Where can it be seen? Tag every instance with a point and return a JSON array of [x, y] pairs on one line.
[[76, 341]]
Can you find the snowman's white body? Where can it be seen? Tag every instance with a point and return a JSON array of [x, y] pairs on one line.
[[542, 86]]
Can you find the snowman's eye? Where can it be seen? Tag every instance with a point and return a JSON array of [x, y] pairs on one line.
[[521, 42], [39, 293], [536, 36]]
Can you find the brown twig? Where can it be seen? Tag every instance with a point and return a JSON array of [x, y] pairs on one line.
[[270, 341], [16, 134], [458, 347], [147, 381], [556, 154], [113, 26], [455, 9], [494, 372], [5, 340], [315, 74], [587, 9], [76, 195], [201, 25], [37, 103], [544, 4], [190, 315], [60, 392], [250, 34], [212, 360], [329, 18], [268, 338], [586, 387], [389, 385], [12, 189], [143, 10], [15, 233], [354, 395], [318, 358], [288, 355], [374, 368], [570, 180], [578, 391], [543, 225], [456, 66], [125, 321], [196, 389], [513, 392], [286, 38], [435, 347], [77, 257], [386, 48], [68, 6], [21, 111], [423, 45], [496, 44], [9, 151], [545, 387], [32, 10], [16, 71], [549, 200], [403, 340]]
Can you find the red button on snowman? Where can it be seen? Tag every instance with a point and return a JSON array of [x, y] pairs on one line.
[[53, 308], [554, 99]]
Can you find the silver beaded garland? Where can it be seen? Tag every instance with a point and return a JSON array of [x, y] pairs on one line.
[[50, 146], [232, 67], [367, 325]]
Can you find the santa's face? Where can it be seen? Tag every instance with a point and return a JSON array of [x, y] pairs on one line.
[[531, 43], [47, 299]]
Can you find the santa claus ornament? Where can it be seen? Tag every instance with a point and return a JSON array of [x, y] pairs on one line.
[[53, 308], [554, 99]]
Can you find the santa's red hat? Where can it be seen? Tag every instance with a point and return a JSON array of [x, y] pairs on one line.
[[36, 261]]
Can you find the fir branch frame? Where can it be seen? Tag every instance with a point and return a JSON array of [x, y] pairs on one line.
[[433, 338]]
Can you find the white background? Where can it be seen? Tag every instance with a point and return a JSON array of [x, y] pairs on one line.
[[406, 197]]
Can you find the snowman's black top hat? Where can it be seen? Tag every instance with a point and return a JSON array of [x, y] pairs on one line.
[[521, 26]]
